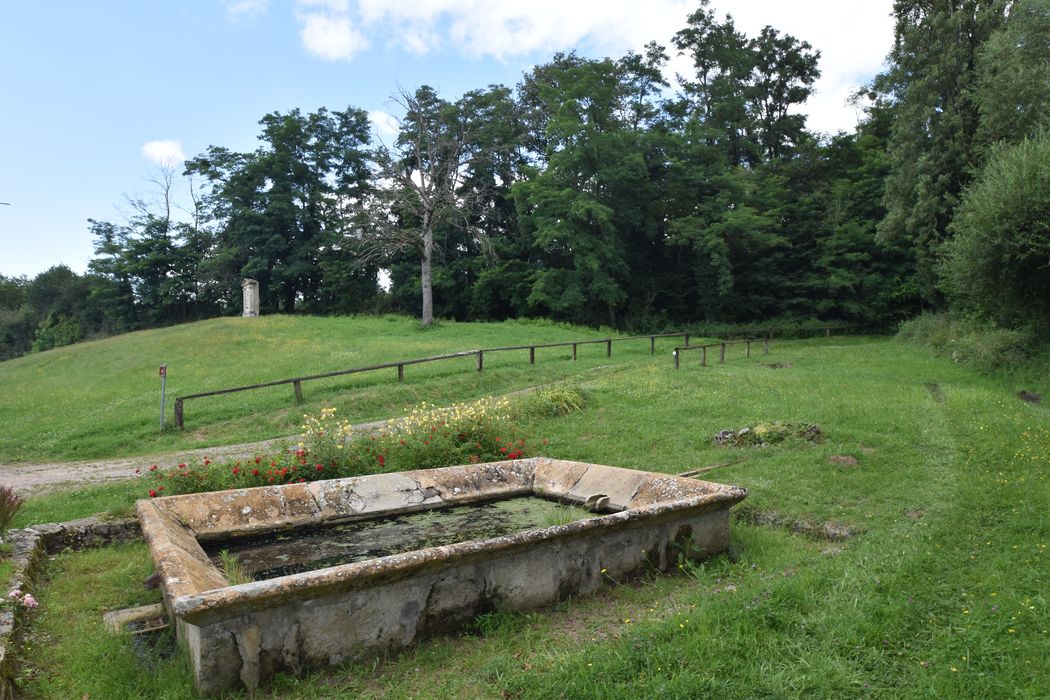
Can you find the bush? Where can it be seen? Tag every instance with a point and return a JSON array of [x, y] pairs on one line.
[[968, 341], [10, 504], [427, 437], [998, 264], [55, 332], [553, 401]]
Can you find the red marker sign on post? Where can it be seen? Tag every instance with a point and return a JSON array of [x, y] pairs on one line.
[[163, 382]]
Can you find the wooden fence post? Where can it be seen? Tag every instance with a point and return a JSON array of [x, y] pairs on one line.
[[675, 353], [748, 344], [481, 360], [722, 354], [178, 414], [400, 373], [608, 348], [827, 332], [574, 351], [532, 355], [686, 340], [298, 391], [652, 345], [703, 356], [766, 351]]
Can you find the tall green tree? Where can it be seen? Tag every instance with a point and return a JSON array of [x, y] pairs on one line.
[[593, 195], [933, 149], [1013, 75], [279, 208]]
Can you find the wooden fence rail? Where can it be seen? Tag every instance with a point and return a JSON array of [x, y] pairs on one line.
[[479, 355], [721, 345]]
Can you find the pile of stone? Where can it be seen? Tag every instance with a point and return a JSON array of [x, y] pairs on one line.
[[764, 434]]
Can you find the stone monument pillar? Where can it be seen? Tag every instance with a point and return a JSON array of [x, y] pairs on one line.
[[250, 292]]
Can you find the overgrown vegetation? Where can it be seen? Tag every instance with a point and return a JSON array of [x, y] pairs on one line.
[[969, 341], [232, 569], [10, 504], [426, 438]]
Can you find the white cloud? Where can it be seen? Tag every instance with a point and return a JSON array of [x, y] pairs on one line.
[[853, 37], [384, 123], [246, 8], [331, 37], [164, 152]]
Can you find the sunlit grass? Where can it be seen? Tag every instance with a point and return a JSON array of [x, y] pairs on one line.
[[102, 398], [943, 594]]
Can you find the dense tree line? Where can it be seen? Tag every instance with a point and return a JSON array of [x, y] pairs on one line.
[[596, 193]]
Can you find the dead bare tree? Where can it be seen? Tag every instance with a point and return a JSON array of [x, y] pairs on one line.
[[420, 183]]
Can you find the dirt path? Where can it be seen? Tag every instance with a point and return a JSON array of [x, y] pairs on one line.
[[34, 479]]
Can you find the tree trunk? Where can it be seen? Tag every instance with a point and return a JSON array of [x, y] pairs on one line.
[[424, 277]]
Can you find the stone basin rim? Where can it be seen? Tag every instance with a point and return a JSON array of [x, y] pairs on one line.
[[640, 497], [231, 601]]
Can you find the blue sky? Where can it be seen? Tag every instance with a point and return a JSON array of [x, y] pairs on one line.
[[94, 92]]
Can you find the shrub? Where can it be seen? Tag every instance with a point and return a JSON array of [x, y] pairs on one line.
[[998, 263], [973, 342], [10, 504], [553, 401], [56, 331], [427, 437]]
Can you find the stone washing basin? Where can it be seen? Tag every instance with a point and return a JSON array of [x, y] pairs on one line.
[[239, 635]]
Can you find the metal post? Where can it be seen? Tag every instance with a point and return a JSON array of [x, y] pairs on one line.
[[163, 387]]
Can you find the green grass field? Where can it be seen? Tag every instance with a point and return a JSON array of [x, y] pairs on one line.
[[102, 398], [942, 593]]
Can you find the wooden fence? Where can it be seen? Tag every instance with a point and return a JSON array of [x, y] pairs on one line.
[[721, 345], [479, 355]]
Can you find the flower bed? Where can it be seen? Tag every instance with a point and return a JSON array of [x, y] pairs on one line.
[[328, 448]]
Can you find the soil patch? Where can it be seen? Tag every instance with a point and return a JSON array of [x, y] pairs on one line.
[[829, 530], [777, 365], [935, 391], [1030, 396], [844, 461]]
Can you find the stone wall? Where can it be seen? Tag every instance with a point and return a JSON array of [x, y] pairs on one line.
[[31, 547]]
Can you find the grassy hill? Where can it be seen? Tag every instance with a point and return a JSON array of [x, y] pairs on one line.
[[102, 398], [940, 591]]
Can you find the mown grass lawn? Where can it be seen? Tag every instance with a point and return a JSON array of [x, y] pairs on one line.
[[941, 594]]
